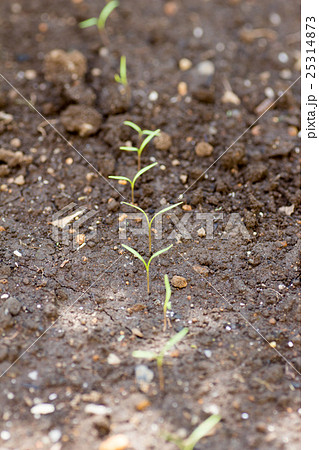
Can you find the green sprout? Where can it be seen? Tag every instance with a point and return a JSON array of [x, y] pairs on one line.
[[201, 431], [159, 356], [137, 128], [140, 149], [167, 303], [147, 265], [149, 222], [99, 22], [122, 78], [132, 182]]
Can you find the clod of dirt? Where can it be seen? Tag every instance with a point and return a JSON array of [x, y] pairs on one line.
[[202, 270], [256, 172], [106, 165], [178, 282], [79, 94], [203, 149], [116, 442], [61, 67], [13, 306], [234, 157], [9, 159], [81, 119], [3, 352], [163, 141]]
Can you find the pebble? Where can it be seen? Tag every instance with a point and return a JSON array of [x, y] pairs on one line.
[[285, 74], [207, 353], [163, 141], [69, 161], [178, 282], [55, 435], [116, 442], [42, 409], [245, 416], [272, 321], [113, 359], [15, 142], [186, 207], [33, 375], [183, 178], [136, 332], [206, 68], [153, 96], [201, 232], [30, 74], [182, 88], [19, 180], [230, 97], [185, 64], [198, 32], [287, 210], [203, 149], [13, 306], [143, 376], [97, 410], [283, 57], [5, 435]]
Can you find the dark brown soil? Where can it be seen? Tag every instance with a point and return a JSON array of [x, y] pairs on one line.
[[246, 299]]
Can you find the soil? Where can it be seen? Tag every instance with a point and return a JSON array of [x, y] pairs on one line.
[[73, 311]]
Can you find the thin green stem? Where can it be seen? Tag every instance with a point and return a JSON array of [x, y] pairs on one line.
[[148, 278], [132, 188]]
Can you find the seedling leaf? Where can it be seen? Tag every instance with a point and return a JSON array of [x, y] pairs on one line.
[[165, 210], [159, 253], [145, 169], [133, 125], [106, 11], [88, 23], [168, 292], [202, 430], [129, 149], [114, 177], [148, 139], [174, 340], [144, 354], [138, 208], [135, 253]]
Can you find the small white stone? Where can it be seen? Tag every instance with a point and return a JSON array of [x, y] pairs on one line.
[[5, 435], [269, 92], [198, 32], [5, 296], [220, 47], [285, 74], [97, 410], [207, 353], [283, 57], [228, 328], [206, 68], [33, 375], [183, 178], [30, 74], [245, 416], [42, 409], [290, 344], [17, 253], [275, 19], [113, 359], [55, 435], [201, 232], [153, 96], [53, 396]]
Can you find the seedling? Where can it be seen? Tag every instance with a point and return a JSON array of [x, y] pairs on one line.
[[137, 128], [147, 265], [132, 182], [149, 222], [159, 356], [121, 78], [99, 22], [167, 303], [140, 149], [201, 431]]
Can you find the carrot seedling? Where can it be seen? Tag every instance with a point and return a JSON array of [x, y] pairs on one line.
[[149, 222], [100, 21], [122, 78], [140, 149], [147, 265], [201, 431], [138, 129], [159, 356], [167, 303], [132, 182]]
